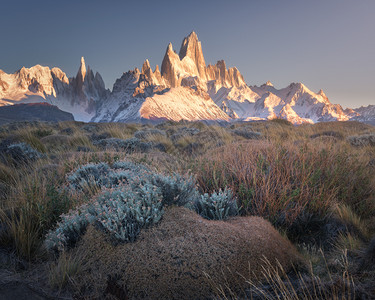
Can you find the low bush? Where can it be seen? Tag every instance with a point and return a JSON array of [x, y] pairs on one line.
[[129, 145], [89, 176], [184, 132], [69, 229], [132, 198], [176, 189], [123, 212], [217, 206], [362, 140], [144, 134], [247, 134], [18, 154], [40, 132], [330, 133]]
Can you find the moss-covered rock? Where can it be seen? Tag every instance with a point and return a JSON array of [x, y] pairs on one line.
[[170, 260]]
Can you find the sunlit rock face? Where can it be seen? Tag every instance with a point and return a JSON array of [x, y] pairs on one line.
[[180, 90], [78, 95], [190, 63]]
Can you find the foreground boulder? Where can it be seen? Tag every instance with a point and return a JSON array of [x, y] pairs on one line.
[[170, 260]]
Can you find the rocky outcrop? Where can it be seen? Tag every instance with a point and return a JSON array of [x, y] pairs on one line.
[[183, 255]]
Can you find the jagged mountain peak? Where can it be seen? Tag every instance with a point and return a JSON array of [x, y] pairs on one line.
[[189, 67], [82, 70], [146, 67], [183, 88], [170, 49], [297, 86], [268, 83], [191, 47], [321, 93]]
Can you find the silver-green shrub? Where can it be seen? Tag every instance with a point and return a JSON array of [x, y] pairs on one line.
[[129, 145], [69, 229], [88, 176], [123, 212], [17, 153], [132, 197], [217, 206], [176, 189]]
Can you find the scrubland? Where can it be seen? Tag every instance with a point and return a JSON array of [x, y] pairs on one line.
[[314, 183]]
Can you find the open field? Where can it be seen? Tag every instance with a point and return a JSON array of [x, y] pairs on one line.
[[314, 183]]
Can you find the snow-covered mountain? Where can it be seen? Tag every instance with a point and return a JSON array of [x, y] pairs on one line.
[[183, 88], [77, 95], [178, 91], [364, 114], [187, 88]]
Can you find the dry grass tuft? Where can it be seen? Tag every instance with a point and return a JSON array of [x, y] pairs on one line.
[[63, 270]]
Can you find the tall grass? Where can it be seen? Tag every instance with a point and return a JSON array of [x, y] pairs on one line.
[[285, 179], [275, 283], [282, 176], [30, 210]]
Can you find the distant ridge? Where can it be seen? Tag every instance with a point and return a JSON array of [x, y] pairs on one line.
[[33, 112]]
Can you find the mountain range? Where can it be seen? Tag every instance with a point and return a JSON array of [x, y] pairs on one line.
[[183, 88]]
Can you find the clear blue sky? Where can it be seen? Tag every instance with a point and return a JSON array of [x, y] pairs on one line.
[[328, 44]]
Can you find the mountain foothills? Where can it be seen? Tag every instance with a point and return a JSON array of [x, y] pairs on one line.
[[183, 88]]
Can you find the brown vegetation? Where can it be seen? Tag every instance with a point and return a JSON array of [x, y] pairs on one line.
[[311, 182], [172, 259]]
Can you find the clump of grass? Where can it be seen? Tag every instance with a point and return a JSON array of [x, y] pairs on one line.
[[8, 174], [348, 241], [350, 218], [120, 131], [276, 283], [79, 139], [183, 142], [165, 141], [282, 122], [30, 211], [63, 269], [30, 138], [42, 132]]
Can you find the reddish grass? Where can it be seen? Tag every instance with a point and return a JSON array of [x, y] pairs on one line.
[[272, 179]]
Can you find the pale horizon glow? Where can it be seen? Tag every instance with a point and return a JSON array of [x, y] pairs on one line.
[[327, 45]]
